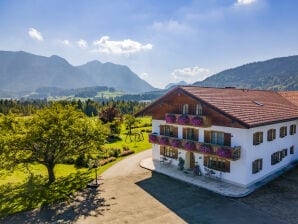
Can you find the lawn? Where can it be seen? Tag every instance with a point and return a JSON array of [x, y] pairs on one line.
[[25, 188]]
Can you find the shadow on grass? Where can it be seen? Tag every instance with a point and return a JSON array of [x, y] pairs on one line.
[[35, 193]]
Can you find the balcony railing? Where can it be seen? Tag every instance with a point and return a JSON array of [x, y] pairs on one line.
[[230, 153], [187, 119]]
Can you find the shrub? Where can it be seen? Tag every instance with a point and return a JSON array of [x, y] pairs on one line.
[[81, 161], [114, 152]]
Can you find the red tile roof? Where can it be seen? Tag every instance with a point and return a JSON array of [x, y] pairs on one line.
[[251, 107]]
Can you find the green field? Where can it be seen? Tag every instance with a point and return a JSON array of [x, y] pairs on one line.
[[25, 188]]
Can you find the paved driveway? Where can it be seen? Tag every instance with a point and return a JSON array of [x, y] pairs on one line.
[[131, 194]]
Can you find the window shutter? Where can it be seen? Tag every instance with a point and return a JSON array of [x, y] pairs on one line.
[[196, 134], [175, 131], [162, 129], [207, 136], [261, 137], [227, 166], [227, 139], [255, 139], [269, 135], [184, 132], [274, 134], [206, 158], [162, 150]]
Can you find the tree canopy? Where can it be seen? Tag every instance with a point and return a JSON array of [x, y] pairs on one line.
[[51, 135]]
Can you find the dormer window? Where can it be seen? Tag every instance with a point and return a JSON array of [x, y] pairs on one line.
[[199, 110]]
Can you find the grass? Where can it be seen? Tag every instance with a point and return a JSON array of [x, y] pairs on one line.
[[25, 188]]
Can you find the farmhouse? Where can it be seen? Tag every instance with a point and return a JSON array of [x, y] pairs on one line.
[[239, 136]]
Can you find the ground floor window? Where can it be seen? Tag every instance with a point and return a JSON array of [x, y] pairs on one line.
[[257, 165], [169, 152], [278, 156], [292, 149], [217, 163]]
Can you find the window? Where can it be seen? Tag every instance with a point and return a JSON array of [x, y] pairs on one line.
[[278, 156], [292, 149], [257, 165], [185, 109], [293, 129], [199, 110], [169, 152], [217, 138], [217, 164], [283, 131], [271, 135], [257, 138]]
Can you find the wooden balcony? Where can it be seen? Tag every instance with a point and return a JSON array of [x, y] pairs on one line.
[[187, 119], [226, 152]]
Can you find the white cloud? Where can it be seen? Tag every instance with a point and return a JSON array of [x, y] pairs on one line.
[[191, 74], [105, 45], [172, 26], [82, 44], [35, 34], [245, 2], [65, 42], [144, 75]]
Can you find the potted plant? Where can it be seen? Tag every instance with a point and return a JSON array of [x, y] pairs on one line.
[[181, 163], [222, 152], [183, 119], [205, 149], [189, 145], [170, 118], [164, 141]]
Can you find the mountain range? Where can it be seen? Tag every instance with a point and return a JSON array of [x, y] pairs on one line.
[[274, 74], [22, 71]]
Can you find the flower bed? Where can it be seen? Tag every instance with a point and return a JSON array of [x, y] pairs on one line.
[[183, 119], [189, 145], [108, 160], [153, 139], [170, 118], [176, 143], [164, 141], [226, 153], [196, 121]]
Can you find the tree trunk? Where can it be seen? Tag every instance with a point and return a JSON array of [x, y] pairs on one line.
[[51, 174]]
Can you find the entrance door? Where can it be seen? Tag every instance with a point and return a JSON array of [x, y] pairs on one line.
[[191, 160]]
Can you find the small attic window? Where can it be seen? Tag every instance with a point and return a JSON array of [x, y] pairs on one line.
[[257, 103]]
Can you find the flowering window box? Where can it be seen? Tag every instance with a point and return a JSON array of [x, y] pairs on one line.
[[170, 118], [205, 149], [189, 145], [164, 141], [176, 143], [183, 119], [153, 138], [226, 153], [196, 121]]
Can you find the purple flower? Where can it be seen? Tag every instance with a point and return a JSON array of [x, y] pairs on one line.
[[226, 153], [205, 149], [196, 121], [170, 118], [183, 119], [152, 138], [176, 143], [164, 141], [189, 145]]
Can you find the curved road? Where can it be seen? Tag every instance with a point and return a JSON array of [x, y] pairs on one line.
[[131, 194]]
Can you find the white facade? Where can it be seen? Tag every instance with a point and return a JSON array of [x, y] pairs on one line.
[[241, 170]]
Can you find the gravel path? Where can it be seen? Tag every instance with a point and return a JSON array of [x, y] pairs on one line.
[[130, 194]]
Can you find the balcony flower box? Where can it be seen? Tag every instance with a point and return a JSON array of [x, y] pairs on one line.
[[176, 143], [164, 141], [205, 149], [153, 138], [196, 121], [170, 118], [222, 152], [190, 146], [183, 119]]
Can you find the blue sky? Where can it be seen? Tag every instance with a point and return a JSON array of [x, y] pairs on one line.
[[161, 40]]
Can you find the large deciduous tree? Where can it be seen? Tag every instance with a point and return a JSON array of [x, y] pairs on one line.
[[51, 135]]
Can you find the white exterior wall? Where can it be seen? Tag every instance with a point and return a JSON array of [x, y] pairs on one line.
[[241, 170]]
